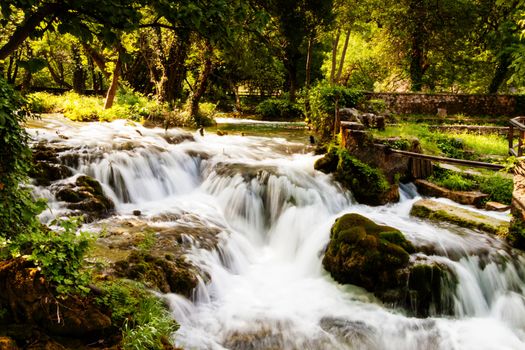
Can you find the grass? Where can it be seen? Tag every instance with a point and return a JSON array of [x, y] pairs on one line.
[[496, 185], [455, 145]]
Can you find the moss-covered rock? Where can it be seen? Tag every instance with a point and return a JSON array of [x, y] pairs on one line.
[[368, 184], [377, 258], [436, 211], [363, 253], [168, 274], [87, 196]]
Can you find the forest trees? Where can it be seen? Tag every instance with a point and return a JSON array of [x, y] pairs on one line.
[[186, 50]]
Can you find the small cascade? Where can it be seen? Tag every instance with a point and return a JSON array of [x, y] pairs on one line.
[[264, 284]]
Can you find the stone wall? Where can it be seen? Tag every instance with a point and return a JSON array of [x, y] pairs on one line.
[[414, 103]]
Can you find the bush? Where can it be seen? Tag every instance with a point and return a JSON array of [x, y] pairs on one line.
[[376, 106], [60, 255], [456, 182], [145, 321], [278, 109], [498, 188], [323, 99], [128, 105], [17, 207]]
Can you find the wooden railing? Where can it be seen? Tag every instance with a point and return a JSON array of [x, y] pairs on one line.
[[516, 124]]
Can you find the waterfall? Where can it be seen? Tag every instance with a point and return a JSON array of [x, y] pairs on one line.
[[267, 287]]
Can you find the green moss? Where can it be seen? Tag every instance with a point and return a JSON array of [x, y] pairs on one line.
[[368, 185], [360, 252]]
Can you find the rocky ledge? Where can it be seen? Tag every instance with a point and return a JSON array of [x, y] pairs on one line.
[[437, 211]]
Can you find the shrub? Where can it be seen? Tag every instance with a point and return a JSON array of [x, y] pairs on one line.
[[456, 182], [144, 320], [17, 207], [498, 188], [323, 99], [278, 109], [376, 106], [60, 255]]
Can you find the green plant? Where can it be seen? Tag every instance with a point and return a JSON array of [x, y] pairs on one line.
[[143, 318], [498, 187], [18, 209], [455, 182], [323, 99], [376, 106], [278, 109], [59, 255], [147, 242]]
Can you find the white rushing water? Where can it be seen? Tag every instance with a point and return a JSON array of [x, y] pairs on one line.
[[267, 287]]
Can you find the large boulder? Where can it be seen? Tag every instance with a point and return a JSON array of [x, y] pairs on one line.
[[86, 196], [377, 258]]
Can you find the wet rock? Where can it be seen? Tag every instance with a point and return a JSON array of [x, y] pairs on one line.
[[363, 253], [87, 196], [175, 139], [167, 275], [369, 185], [377, 258], [155, 255], [137, 212], [495, 206], [474, 198], [47, 166], [436, 211], [355, 333]]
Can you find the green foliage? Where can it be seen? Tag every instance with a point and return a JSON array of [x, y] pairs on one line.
[[368, 185], [455, 182], [376, 106], [129, 105], [60, 255], [323, 100], [498, 187], [450, 146], [144, 320], [274, 109], [458, 145], [17, 207]]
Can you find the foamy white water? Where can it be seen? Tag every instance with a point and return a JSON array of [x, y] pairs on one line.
[[268, 289]]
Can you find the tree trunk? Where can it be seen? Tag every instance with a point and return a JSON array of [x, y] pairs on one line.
[[79, 74], [308, 74], [94, 82], [417, 69], [112, 91], [335, 44], [235, 90], [56, 77], [202, 83], [343, 56], [99, 60], [501, 73], [28, 27]]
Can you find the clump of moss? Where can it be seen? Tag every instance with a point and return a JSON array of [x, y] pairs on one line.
[[368, 184], [363, 253]]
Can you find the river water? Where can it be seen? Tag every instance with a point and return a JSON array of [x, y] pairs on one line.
[[267, 287]]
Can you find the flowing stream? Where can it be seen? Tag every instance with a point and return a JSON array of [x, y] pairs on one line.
[[267, 288]]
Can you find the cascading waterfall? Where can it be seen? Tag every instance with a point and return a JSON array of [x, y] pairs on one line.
[[267, 288]]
